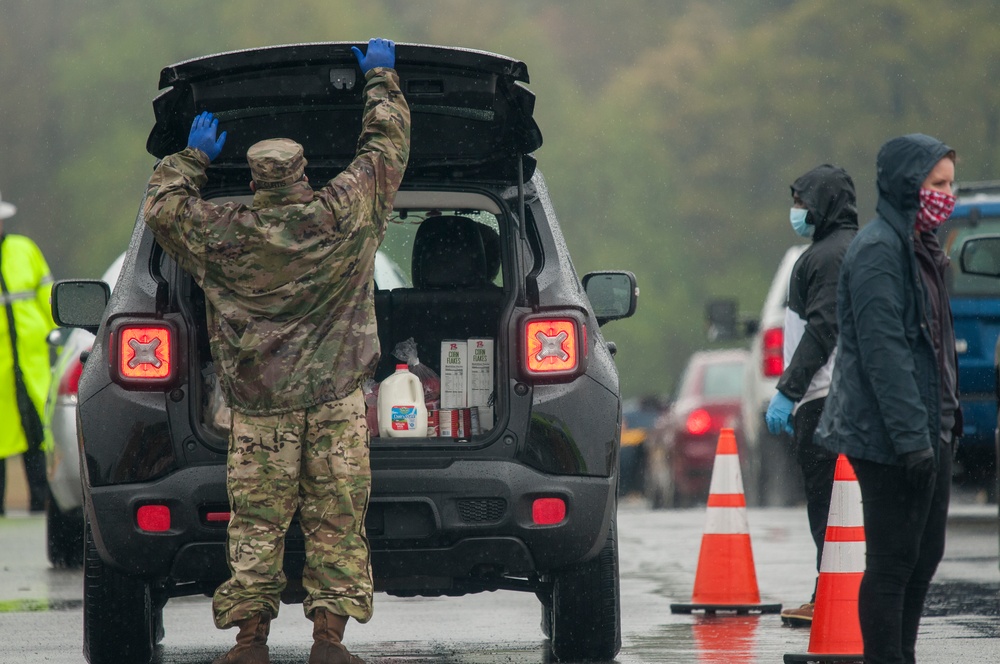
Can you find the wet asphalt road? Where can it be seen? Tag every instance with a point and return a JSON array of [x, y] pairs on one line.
[[41, 616]]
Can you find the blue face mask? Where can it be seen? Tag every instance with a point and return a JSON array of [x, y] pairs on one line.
[[799, 225]]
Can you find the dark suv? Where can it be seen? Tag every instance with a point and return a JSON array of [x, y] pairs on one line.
[[975, 305], [528, 503]]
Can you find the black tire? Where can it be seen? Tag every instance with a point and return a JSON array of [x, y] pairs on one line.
[[64, 536], [665, 496], [660, 488], [118, 615], [157, 631], [585, 620], [546, 616]]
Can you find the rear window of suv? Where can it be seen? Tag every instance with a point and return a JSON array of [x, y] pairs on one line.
[[724, 379], [403, 225], [714, 380]]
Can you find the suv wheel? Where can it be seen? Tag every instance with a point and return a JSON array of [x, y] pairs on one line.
[[585, 617], [118, 615], [64, 536]]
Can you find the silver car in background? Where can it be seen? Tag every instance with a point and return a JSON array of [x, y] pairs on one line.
[[771, 476], [64, 512]]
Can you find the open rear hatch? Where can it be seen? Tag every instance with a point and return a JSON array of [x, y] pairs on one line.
[[471, 114]]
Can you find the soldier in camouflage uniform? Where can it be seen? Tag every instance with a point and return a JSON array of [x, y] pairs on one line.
[[289, 286]]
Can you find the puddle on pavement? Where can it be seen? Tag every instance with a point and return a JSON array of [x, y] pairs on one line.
[[707, 639], [963, 599]]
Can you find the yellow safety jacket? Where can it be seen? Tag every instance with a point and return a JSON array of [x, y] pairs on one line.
[[29, 284]]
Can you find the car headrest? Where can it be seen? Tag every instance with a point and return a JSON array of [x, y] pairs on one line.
[[491, 244], [448, 253]]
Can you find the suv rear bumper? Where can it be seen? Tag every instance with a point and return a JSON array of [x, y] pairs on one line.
[[471, 519]]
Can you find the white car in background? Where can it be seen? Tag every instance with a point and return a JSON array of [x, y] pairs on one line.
[[64, 512], [772, 476]]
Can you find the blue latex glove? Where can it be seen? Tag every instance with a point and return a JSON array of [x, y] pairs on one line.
[[202, 135], [779, 414], [381, 53]]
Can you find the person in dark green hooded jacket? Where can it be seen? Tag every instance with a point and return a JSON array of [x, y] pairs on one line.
[[824, 208], [893, 404]]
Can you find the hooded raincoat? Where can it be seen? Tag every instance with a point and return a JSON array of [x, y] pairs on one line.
[[811, 317], [29, 284], [885, 399]]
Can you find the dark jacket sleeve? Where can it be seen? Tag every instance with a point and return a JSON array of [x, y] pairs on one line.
[[877, 292], [813, 296]]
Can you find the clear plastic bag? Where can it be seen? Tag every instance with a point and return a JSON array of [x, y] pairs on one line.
[[220, 417], [370, 390], [407, 352]]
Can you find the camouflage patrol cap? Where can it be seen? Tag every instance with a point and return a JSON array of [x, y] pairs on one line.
[[276, 162]]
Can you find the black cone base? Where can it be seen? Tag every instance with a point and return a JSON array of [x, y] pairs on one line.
[[813, 658], [726, 608]]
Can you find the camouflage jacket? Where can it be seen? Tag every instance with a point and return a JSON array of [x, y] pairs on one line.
[[289, 280]]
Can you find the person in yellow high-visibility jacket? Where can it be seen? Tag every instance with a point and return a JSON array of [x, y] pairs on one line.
[[27, 286]]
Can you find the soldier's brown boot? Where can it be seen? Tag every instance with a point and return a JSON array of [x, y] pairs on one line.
[[251, 642], [328, 634]]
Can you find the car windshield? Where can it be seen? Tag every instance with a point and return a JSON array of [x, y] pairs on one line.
[[723, 380], [959, 283], [719, 379]]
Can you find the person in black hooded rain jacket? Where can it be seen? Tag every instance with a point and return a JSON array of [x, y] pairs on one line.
[[893, 404], [825, 209]]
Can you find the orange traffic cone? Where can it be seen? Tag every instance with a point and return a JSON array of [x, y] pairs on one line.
[[725, 579], [836, 629]]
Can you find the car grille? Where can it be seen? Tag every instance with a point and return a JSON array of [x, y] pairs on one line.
[[482, 510]]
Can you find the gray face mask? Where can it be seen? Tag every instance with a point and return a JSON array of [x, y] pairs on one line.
[[798, 218]]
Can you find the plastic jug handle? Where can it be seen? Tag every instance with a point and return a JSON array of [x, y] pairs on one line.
[[416, 391]]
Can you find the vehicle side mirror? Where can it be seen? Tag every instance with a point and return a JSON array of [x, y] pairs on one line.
[[80, 303], [980, 255], [613, 295], [722, 320], [725, 323]]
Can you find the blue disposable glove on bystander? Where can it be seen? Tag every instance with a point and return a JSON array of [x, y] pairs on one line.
[[202, 135], [381, 53], [779, 414]]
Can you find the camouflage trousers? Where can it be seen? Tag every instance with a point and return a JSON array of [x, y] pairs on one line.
[[315, 462]]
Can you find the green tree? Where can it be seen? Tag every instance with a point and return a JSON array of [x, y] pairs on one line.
[[672, 128]]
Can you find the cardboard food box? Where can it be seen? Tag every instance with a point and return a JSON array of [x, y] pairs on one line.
[[481, 379], [454, 373]]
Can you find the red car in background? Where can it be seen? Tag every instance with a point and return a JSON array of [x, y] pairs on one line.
[[681, 447]]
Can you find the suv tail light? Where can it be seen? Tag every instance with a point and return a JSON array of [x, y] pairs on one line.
[[554, 346], [773, 356], [69, 384], [145, 353]]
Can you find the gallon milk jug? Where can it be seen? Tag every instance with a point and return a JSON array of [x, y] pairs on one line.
[[401, 409]]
